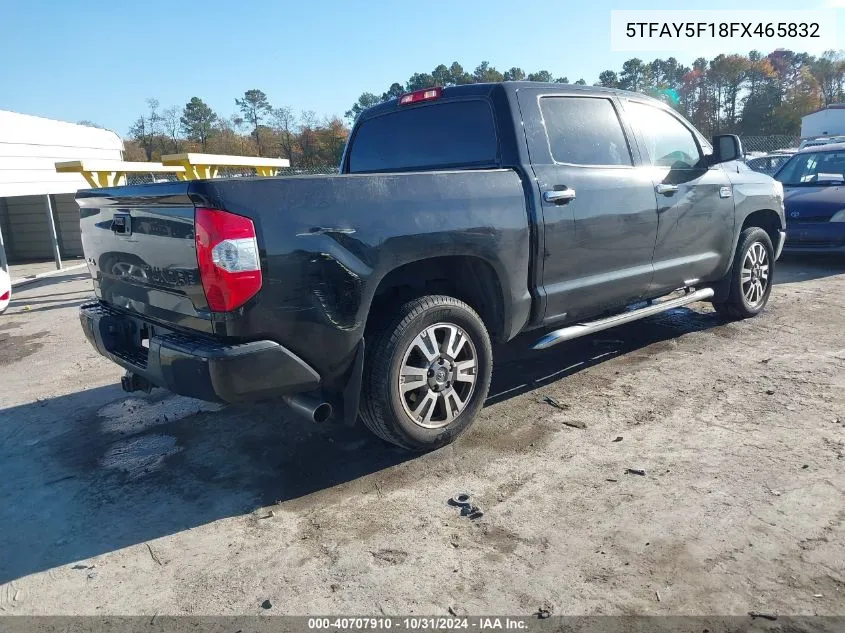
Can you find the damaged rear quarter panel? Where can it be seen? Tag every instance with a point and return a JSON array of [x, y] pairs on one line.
[[327, 241]]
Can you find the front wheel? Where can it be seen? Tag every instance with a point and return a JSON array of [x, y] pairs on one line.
[[751, 275], [427, 373]]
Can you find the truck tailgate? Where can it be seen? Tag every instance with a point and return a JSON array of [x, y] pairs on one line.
[[140, 248]]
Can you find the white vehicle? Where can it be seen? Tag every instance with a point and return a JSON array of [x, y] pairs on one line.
[[821, 140], [5, 290], [767, 163]]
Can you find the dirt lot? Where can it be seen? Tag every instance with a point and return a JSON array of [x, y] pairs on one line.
[[161, 504]]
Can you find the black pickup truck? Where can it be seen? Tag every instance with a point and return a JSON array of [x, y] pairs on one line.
[[461, 215]]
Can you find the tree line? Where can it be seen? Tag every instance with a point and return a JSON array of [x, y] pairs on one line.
[[453, 75], [258, 129], [752, 94]]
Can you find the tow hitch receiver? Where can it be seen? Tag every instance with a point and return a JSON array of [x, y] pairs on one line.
[[133, 382]]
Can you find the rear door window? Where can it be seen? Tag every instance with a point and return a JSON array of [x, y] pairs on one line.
[[584, 131], [436, 136]]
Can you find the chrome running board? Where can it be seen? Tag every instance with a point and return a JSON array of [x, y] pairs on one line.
[[583, 329]]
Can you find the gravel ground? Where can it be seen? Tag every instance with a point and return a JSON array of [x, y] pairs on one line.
[[117, 504]]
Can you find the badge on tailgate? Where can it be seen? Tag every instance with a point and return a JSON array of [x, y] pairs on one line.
[[121, 224]]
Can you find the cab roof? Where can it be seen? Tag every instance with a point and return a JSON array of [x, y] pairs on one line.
[[487, 89]]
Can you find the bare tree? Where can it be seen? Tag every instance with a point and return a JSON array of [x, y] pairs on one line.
[[170, 121], [147, 127], [284, 124], [308, 142]]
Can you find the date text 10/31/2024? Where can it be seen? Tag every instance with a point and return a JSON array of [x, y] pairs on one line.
[[419, 623]]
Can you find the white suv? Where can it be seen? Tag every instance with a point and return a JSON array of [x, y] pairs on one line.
[[822, 140]]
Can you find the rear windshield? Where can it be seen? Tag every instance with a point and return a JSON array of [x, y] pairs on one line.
[[437, 136]]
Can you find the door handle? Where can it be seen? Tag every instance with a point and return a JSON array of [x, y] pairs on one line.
[[666, 189], [559, 197]]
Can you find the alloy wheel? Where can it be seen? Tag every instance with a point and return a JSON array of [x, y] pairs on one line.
[[437, 375], [755, 274]]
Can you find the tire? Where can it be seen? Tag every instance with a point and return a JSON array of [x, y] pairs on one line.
[[750, 281], [402, 355]]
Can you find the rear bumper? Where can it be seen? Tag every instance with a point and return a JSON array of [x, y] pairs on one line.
[[194, 365], [815, 237]]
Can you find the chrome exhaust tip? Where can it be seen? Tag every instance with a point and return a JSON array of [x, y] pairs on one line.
[[310, 408], [131, 382]]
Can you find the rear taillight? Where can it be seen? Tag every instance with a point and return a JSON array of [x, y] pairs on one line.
[[227, 253], [5, 296]]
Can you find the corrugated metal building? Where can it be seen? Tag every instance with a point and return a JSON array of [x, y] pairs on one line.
[[33, 197]]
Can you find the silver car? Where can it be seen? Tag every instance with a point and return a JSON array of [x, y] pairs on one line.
[[767, 164]]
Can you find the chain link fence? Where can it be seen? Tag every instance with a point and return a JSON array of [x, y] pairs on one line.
[[234, 172], [768, 144]]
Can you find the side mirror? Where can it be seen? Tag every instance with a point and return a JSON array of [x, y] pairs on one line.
[[726, 147]]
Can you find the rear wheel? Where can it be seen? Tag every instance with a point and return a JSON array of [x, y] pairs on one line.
[[427, 373], [751, 275]]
